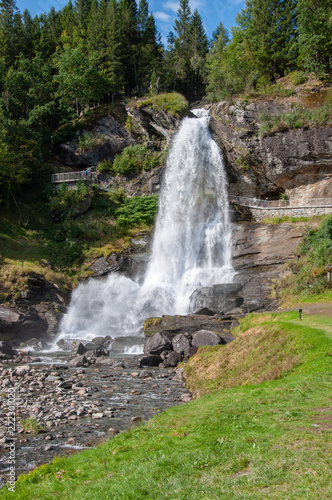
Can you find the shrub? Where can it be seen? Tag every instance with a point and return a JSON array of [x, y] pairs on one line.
[[297, 77], [174, 103], [297, 118], [137, 211], [89, 141], [66, 201], [315, 252], [133, 159], [105, 166], [30, 425]]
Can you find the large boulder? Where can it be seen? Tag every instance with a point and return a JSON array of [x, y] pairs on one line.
[[157, 344], [181, 343], [152, 360], [7, 349], [204, 337], [77, 349], [78, 361], [172, 359], [189, 324], [220, 298]]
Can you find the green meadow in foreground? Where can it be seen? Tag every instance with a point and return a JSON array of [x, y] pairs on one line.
[[247, 437]]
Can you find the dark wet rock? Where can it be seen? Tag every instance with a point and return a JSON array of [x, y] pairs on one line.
[[65, 384], [104, 341], [35, 344], [77, 349], [172, 359], [192, 351], [7, 349], [164, 354], [91, 346], [205, 311], [110, 362], [78, 361], [96, 353], [115, 262], [136, 420], [145, 374], [35, 313], [181, 343], [152, 360], [157, 344]]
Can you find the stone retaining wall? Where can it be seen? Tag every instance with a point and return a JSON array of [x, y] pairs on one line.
[[265, 213]]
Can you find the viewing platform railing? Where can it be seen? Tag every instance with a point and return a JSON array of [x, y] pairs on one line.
[[292, 203], [72, 176]]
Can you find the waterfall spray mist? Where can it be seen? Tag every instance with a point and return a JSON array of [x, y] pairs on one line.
[[191, 247]]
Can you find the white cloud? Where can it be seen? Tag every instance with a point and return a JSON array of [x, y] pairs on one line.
[[171, 5], [163, 17], [195, 4]]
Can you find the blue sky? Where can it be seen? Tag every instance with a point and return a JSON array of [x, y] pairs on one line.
[[212, 11]]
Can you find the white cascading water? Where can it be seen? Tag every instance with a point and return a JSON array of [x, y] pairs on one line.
[[191, 247]]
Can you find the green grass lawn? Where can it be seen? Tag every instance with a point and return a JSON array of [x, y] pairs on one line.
[[264, 440]]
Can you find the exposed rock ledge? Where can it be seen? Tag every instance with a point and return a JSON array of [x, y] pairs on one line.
[[259, 254], [297, 162]]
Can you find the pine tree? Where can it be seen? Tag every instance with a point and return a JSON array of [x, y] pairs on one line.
[[10, 31], [81, 17], [50, 33], [182, 38], [30, 34], [68, 22], [148, 49], [199, 49], [315, 40], [269, 27], [128, 38], [112, 68], [143, 16]]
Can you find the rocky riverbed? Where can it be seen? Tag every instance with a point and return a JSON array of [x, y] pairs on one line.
[[59, 409]]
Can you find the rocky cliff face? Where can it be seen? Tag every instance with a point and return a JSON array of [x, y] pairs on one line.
[[295, 162], [109, 137], [35, 313], [259, 254]]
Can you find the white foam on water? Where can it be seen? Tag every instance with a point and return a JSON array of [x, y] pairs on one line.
[[191, 247]]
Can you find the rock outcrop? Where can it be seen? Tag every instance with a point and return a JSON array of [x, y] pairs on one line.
[[35, 313], [151, 123], [172, 339], [109, 137], [296, 162]]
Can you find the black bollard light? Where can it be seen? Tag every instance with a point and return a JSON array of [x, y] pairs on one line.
[[300, 313]]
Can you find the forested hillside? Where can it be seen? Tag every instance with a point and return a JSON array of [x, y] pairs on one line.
[[56, 66]]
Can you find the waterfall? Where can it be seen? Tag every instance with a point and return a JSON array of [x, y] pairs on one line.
[[191, 247]]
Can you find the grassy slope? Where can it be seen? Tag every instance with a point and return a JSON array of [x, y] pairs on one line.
[[270, 439], [37, 238]]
